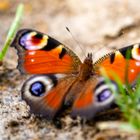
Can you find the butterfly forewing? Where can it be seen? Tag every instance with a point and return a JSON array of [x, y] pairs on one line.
[[124, 63], [41, 54]]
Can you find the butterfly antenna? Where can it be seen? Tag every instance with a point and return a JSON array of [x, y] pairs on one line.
[[76, 41]]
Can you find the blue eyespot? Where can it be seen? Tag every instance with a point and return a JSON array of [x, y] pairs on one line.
[[37, 89], [104, 95]]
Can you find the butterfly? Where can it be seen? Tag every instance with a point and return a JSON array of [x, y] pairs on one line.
[[60, 80]]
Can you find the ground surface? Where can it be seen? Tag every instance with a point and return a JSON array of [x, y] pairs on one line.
[[99, 27]]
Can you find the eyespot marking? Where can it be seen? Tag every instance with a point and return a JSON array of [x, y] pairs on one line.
[[33, 41], [37, 89], [106, 93], [103, 93], [38, 86]]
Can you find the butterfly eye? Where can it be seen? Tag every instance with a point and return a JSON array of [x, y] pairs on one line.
[[37, 88]]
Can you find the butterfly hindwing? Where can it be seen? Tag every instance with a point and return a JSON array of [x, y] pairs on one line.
[[45, 94], [41, 54], [94, 96]]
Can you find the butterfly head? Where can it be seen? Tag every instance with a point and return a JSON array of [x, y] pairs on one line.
[[88, 60]]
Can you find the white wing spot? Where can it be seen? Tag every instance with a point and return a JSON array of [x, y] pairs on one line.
[[135, 52]]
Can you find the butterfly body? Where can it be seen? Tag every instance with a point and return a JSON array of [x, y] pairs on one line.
[[61, 79]]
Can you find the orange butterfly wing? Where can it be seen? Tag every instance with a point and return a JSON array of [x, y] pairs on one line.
[[49, 102], [83, 104], [90, 97], [41, 54], [122, 66]]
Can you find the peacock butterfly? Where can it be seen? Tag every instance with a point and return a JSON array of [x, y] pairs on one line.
[[61, 79]]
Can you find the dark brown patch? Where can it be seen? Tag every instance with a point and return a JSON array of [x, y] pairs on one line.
[[63, 52]]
